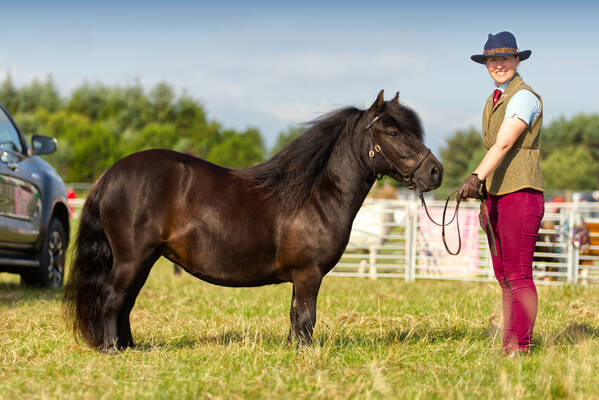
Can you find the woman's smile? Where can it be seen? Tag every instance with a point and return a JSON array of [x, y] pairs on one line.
[[502, 69]]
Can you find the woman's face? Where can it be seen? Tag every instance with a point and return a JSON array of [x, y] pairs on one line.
[[502, 69]]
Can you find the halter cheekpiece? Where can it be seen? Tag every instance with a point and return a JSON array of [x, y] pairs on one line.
[[376, 148]]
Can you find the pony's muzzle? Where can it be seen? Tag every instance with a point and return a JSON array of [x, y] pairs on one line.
[[437, 175]]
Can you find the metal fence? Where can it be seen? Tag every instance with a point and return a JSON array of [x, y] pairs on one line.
[[394, 239]]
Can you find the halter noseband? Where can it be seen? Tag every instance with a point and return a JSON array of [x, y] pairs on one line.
[[376, 148]]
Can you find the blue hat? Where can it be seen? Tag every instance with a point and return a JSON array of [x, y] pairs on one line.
[[500, 45]]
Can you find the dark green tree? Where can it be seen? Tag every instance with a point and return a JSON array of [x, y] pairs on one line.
[[99, 124], [9, 95], [571, 167], [38, 95], [238, 150], [89, 100], [94, 154], [580, 129], [162, 99], [30, 124], [131, 107], [153, 136], [461, 154]]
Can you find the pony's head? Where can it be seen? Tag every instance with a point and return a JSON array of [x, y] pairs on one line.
[[395, 145]]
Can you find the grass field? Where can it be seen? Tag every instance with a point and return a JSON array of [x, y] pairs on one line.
[[374, 339]]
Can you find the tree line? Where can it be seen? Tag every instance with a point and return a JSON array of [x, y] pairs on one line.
[[98, 124]]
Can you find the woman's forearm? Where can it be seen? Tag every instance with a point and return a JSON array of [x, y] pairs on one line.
[[491, 161], [510, 130]]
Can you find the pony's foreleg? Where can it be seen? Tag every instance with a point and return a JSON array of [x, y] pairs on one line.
[[306, 285]]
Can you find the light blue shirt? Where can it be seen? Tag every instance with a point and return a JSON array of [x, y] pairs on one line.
[[523, 104]]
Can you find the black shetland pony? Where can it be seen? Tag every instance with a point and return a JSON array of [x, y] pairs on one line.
[[286, 220]]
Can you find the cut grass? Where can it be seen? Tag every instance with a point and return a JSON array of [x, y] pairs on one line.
[[373, 339]]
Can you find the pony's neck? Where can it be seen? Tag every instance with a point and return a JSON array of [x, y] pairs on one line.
[[350, 173]]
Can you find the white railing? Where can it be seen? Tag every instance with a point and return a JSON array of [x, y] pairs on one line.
[[410, 246], [394, 239]]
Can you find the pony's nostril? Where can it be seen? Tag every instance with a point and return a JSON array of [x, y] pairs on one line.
[[435, 173]]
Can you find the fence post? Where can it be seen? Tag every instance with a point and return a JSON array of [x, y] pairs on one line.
[[575, 249], [408, 243], [414, 229], [575, 263], [571, 261]]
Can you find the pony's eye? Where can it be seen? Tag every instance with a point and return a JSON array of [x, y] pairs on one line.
[[392, 133]]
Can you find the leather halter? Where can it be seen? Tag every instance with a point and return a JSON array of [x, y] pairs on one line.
[[376, 148]]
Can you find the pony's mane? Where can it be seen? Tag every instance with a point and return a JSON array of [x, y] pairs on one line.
[[300, 167], [295, 172]]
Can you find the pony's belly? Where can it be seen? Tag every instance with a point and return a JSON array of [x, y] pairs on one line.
[[236, 281], [229, 269], [235, 275]]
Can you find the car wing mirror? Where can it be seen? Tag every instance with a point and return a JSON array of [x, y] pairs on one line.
[[43, 144]]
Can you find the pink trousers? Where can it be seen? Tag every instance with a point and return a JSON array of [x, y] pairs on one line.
[[516, 218]]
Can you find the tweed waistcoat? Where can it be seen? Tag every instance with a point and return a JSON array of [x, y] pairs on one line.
[[521, 166]]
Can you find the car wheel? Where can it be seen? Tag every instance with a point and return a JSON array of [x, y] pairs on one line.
[[50, 273]]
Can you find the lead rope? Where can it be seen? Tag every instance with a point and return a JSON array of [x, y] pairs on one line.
[[443, 224], [488, 229]]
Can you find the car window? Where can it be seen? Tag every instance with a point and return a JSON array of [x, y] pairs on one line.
[[9, 137]]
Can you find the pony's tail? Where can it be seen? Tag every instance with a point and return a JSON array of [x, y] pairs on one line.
[[84, 292]]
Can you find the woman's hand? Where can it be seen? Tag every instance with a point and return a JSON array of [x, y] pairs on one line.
[[471, 188]]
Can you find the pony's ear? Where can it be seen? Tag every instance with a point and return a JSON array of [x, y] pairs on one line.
[[396, 98], [378, 104]]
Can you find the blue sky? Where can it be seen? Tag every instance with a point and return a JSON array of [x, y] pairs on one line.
[[271, 65]]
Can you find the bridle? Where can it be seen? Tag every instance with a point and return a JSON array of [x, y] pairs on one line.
[[376, 148], [408, 179]]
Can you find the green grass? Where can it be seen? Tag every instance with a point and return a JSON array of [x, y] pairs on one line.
[[374, 339]]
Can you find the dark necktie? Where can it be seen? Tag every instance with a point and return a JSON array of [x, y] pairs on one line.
[[496, 96]]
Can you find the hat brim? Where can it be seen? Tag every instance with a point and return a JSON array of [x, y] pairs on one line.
[[481, 58]]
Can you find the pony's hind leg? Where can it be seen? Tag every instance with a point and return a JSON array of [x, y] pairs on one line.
[[126, 280], [292, 317]]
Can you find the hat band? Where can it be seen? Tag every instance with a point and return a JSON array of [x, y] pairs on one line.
[[500, 50]]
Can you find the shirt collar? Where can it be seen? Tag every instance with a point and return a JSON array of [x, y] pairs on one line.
[[503, 86]]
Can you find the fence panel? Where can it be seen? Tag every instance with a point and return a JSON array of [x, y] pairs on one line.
[[379, 245]]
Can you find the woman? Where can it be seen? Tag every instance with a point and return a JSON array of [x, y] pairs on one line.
[[511, 174]]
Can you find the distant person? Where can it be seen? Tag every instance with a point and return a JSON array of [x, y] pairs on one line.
[[511, 174], [71, 195]]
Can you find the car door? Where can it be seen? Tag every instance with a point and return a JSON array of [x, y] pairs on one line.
[[20, 201]]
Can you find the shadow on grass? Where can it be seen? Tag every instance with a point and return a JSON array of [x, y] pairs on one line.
[[403, 336], [340, 340], [12, 293], [228, 338], [573, 334]]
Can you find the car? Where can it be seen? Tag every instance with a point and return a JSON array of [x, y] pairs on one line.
[[34, 213]]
